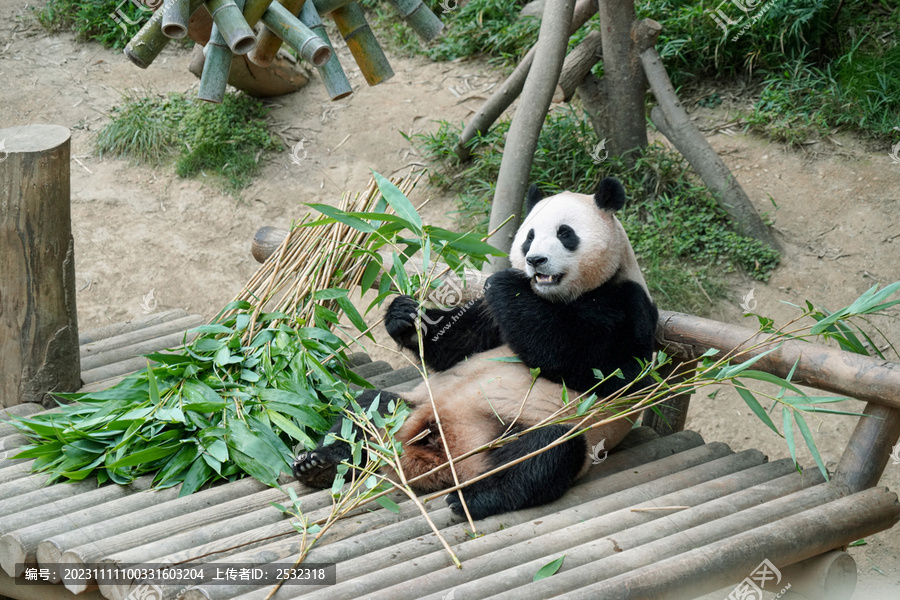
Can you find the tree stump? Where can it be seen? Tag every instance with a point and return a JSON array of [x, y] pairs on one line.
[[38, 327]]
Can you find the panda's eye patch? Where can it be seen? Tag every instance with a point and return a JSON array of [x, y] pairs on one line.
[[526, 245], [567, 236]]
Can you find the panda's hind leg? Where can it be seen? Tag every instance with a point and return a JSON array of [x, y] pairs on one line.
[[538, 480], [317, 468]]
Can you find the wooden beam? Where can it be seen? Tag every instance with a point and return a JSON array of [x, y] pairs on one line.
[[869, 448]]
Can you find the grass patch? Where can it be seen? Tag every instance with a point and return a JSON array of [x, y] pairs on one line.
[[681, 236], [110, 22], [222, 140]]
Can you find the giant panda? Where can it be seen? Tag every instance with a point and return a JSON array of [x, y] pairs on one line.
[[574, 301]]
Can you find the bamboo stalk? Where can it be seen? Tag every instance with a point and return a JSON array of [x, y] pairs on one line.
[[269, 42], [254, 10], [216, 68], [281, 22], [147, 43], [175, 15], [229, 18], [362, 43], [421, 18], [323, 7]]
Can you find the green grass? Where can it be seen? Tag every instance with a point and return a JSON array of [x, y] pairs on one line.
[[110, 22], [222, 141], [681, 236]]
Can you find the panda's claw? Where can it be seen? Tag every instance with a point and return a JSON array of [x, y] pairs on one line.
[[314, 470]]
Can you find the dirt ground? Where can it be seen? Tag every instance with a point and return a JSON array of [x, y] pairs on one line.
[[139, 229]]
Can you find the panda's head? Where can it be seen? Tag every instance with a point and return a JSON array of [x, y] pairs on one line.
[[572, 243]]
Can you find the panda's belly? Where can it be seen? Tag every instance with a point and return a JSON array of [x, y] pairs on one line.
[[488, 395]]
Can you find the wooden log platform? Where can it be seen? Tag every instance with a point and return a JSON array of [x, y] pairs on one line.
[[653, 501]]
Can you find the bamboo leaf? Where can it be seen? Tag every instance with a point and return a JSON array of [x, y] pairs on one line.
[[146, 455], [788, 425], [810, 442], [755, 406], [292, 430], [400, 203], [342, 217], [388, 504], [549, 569]]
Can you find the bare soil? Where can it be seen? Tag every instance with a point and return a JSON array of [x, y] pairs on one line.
[[139, 229]]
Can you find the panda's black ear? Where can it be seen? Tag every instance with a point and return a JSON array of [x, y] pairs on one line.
[[534, 196], [610, 194]]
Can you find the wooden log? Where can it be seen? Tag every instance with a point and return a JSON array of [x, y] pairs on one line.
[[869, 449], [41, 592], [266, 241], [136, 349], [367, 53], [607, 534], [420, 18], [821, 367], [577, 65], [521, 141], [176, 14], [269, 43], [594, 102], [336, 83], [38, 324], [18, 410], [140, 335], [510, 89], [782, 541], [155, 523], [298, 36], [114, 329], [671, 119], [829, 576], [11, 442], [228, 16], [216, 68], [17, 479], [121, 368], [147, 43], [21, 532], [625, 84], [637, 436]]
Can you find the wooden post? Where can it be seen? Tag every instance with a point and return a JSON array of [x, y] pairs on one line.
[[625, 84], [671, 416], [869, 449], [38, 324], [521, 142]]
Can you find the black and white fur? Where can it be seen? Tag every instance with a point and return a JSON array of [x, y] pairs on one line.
[[573, 301]]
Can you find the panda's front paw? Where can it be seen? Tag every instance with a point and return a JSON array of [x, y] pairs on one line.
[[400, 318], [318, 467], [505, 284]]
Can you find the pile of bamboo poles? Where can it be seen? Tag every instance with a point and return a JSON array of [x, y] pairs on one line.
[[295, 22], [314, 258]]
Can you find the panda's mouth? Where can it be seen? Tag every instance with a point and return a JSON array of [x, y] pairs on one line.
[[545, 279]]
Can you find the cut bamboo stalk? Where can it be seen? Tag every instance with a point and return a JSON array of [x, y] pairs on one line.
[[254, 10], [323, 7], [147, 43], [366, 51], [279, 20], [782, 541], [108, 331], [140, 335], [605, 537], [829, 576], [24, 531], [175, 18], [136, 350], [417, 15], [269, 43], [229, 19], [216, 68], [155, 523], [556, 530]]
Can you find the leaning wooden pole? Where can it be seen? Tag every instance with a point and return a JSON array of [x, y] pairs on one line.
[[674, 123], [38, 325], [515, 168], [510, 89]]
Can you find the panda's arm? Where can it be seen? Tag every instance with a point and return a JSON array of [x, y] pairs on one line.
[[606, 329], [448, 336]]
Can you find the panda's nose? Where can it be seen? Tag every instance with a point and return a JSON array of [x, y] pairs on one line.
[[536, 261]]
